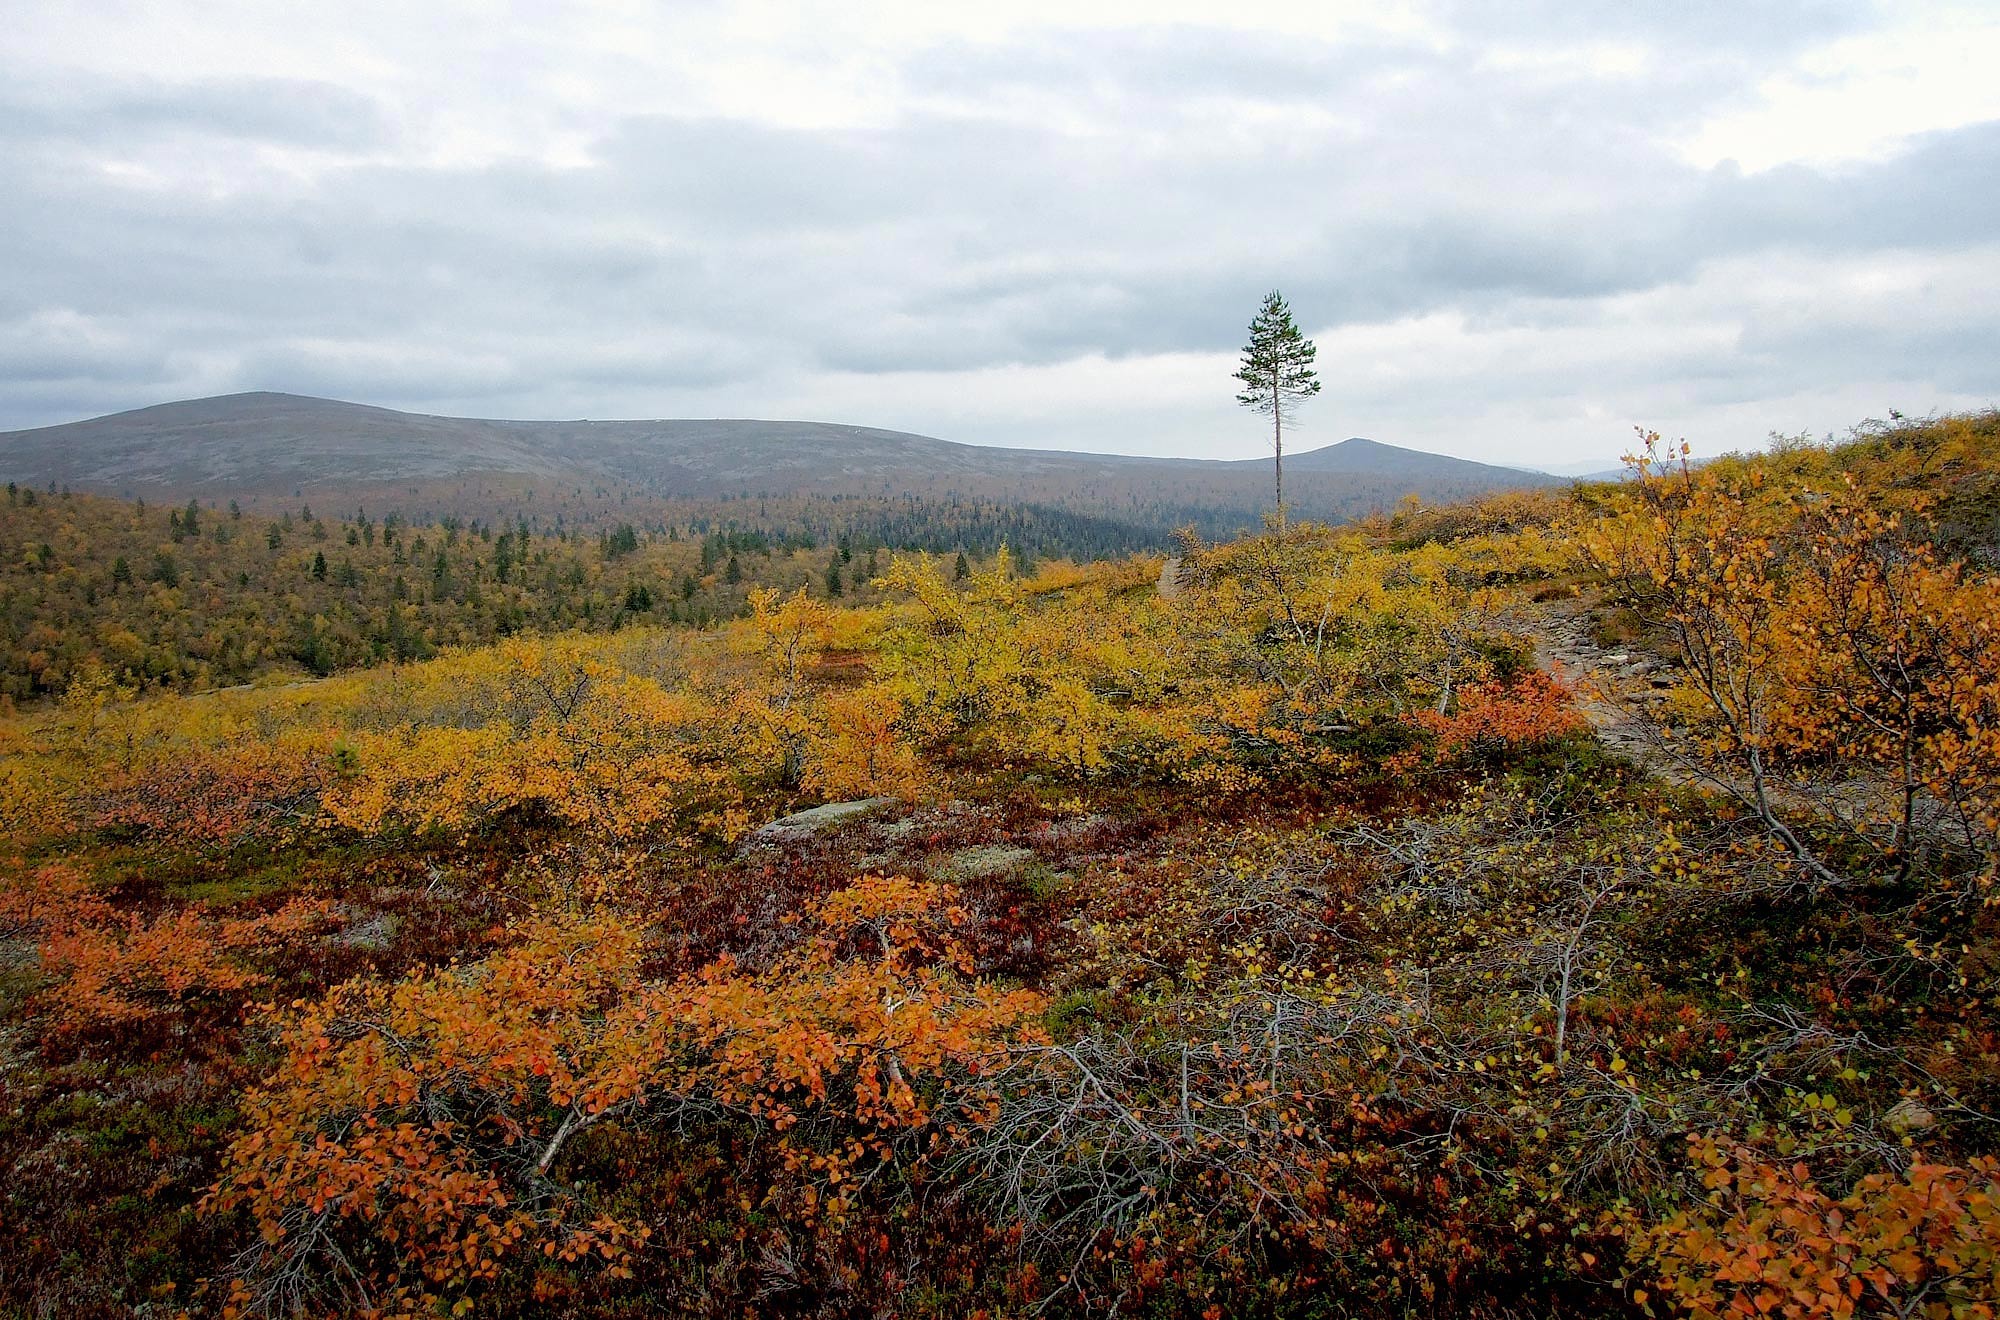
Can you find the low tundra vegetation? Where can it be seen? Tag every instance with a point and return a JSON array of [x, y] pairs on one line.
[[1294, 941]]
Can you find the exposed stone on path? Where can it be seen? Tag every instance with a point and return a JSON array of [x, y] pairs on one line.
[[1609, 685]]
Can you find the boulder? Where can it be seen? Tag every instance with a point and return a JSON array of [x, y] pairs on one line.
[[813, 820], [1908, 1116]]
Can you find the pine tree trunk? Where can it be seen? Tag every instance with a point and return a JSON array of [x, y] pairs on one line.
[[1278, 450]]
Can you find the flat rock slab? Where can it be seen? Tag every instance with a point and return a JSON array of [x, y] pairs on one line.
[[1076, 827], [374, 934], [805, 824], [979, 863]]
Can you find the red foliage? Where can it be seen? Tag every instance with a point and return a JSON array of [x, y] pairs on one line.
[[111, 971], [207, 798], [1771, 1242], [1533, 709]]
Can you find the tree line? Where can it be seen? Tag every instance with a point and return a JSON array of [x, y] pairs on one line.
[[191, 596]]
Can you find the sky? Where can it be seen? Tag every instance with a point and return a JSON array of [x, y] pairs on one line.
[[1516, 232]]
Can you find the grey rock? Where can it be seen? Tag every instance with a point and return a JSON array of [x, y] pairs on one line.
[[805, 824], [1908, 1116], [978, 863], [373, 935]]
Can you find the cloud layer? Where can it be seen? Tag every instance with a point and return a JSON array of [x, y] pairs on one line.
[[1513, 241]]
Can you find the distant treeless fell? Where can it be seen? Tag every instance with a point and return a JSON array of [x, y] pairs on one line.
[[271, 451]]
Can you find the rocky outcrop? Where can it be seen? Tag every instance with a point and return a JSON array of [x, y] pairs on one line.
[[805, 824]]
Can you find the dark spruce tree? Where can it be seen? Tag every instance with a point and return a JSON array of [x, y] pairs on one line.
[[1277, 375]]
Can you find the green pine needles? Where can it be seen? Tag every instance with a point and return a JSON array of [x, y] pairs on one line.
[[1277, 374]]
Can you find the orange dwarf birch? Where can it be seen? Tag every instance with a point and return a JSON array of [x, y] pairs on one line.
[[1769, 1241], [108, 971], [416, 1132]]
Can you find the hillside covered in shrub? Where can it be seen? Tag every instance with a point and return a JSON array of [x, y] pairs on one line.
[[1570, 903]]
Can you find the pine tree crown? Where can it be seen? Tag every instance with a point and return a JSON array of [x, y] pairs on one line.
[[1277, 362]]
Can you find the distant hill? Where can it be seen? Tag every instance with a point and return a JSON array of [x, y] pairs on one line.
[[1372, 458], [279, 445]]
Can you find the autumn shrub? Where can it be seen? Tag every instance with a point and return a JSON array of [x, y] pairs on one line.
[[1067, 674], [1266, 1024], [608, 752], [1255, 1151], [1317, 646], [51, 898], [855, 748], [114, 972], [1767, 1240], [1837, 676], [1507, 512], [1533, 710], [208, 797], [415, 1136]]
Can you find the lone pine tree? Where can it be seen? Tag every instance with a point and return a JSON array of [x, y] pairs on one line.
[[1277, 373]]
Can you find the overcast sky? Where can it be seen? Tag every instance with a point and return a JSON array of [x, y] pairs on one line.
[[1041, 224]]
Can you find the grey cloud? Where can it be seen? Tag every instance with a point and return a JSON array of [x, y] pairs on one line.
[[1943, 191], [27, 361], [1705, 28], [1956, 354], [877, 246], [339, 370], [127, 113], [1473, 258], [1156, 64], [1194, 170]]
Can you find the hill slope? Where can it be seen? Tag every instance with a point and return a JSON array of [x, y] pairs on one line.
[[279, 443], [1371, 458]]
